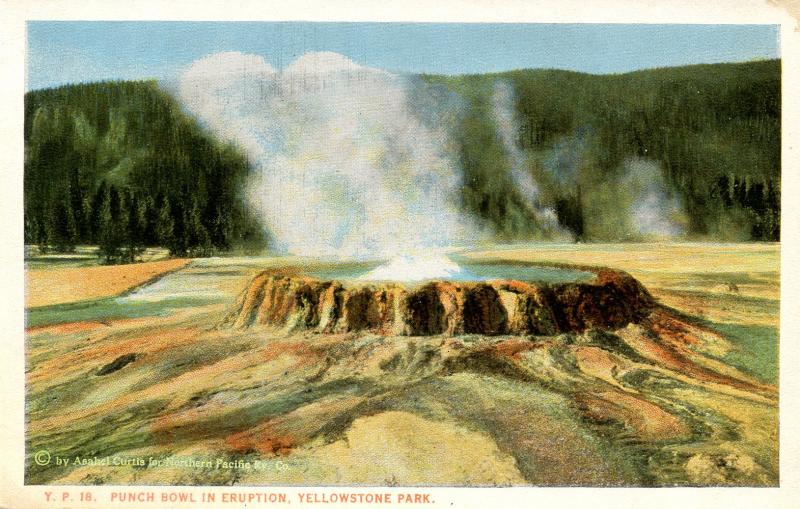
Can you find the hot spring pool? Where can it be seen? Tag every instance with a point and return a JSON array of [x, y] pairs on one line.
[[420, 269]]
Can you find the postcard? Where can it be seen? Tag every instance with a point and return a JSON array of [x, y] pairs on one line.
[[312, 258]]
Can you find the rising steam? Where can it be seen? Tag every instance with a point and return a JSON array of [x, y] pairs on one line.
[[656, 213], [356, 162], [507, 128], [343, 166]]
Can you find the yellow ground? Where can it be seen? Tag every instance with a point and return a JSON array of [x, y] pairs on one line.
[[658, 403], [642, 260], [680, 275], [74, 284]]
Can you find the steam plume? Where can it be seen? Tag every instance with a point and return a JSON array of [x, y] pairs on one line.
[[343, 165], [503, 111]]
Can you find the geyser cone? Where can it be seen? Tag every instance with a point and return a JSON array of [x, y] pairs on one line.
[[611, 299]]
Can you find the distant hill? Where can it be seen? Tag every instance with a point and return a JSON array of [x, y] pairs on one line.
[[121, 165], [689, 151], [713, 132]]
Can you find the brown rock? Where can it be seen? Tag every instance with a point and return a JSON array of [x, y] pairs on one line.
[[612, 300], [484, 312], [423, 312]]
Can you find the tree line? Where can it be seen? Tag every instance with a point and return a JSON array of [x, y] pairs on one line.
[[120, 165], [123, 222]]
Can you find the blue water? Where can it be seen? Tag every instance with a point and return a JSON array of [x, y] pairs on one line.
[[470, 271]]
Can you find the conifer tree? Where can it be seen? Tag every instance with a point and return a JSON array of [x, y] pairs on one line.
[[164, 224], [110, 237], [135, 221], [95, 218], [198, 241], [65, 232], [42, 237], [222, 229]]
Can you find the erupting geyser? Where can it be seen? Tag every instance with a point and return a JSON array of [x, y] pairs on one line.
[[344, 167], [289, 299], [418, 268]]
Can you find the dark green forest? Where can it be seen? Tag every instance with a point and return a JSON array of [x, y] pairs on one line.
[[120, 165], [713, 130]]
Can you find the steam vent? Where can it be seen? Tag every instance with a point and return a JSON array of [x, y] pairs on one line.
[[294, 301]]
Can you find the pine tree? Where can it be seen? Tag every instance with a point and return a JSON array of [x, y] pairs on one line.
[[65, 231], [197, 238], [164, 225], [135, 226], [110, 239], [180, 242], [150, 219], [86, 227], [31, 225], [75, 196], [122, 223], [222, 229], [95, 218], [42, 236]]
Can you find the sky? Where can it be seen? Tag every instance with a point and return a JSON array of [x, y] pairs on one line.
[[82, 51]]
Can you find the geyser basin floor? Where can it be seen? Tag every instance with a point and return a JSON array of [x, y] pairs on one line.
[[663, 402]]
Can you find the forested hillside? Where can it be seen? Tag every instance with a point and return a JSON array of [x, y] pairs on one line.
[[120, 165], [712, 133]]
